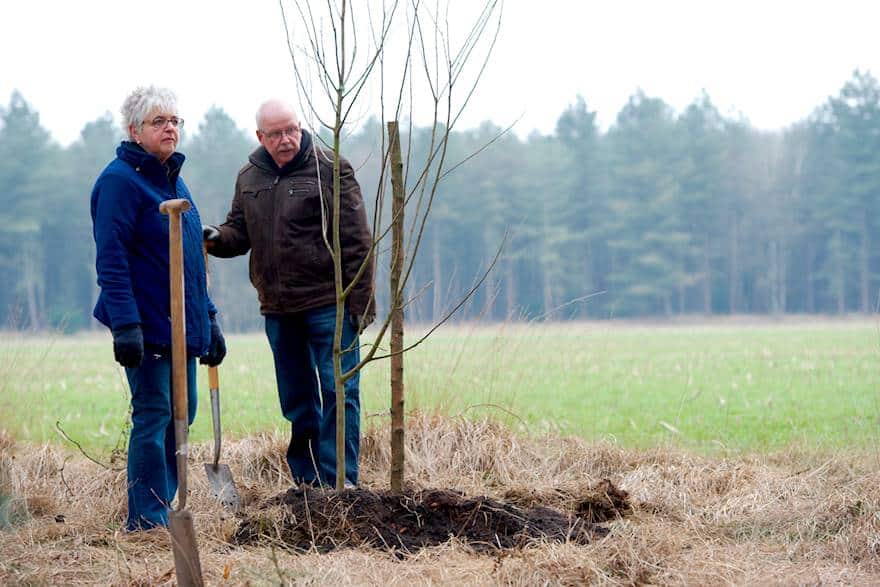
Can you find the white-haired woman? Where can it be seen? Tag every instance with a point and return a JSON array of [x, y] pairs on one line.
[[131, 238]]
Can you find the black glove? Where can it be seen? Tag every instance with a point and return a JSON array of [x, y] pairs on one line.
[[217, 347], [210, 232], [128, 345]]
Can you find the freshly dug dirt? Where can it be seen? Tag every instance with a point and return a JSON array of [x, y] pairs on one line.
[[306, 518]]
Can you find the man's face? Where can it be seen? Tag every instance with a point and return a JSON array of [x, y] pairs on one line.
[[280, 134]]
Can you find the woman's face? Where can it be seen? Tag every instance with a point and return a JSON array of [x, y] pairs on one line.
[[158, 134]]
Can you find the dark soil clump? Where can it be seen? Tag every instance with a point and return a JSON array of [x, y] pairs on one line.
[[305, 518]]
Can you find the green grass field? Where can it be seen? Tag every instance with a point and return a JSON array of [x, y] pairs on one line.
[[721, 386]]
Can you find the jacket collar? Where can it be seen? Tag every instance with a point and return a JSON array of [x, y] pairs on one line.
[[148, 164], [262, 159]]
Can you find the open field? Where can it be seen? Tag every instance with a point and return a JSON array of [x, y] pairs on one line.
[[726, 386], [748, 453]]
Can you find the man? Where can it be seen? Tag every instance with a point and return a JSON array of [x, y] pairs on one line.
[[281, 212]]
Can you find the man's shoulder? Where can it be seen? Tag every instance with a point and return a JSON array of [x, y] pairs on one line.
[[250, 174], [245, 168]]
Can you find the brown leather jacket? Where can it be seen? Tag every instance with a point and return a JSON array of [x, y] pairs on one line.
[[282, 216]]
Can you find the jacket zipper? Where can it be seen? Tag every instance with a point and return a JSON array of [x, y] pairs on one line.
[[275, 220]]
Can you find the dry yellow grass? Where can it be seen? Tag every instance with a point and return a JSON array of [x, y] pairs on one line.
[[787, 518]]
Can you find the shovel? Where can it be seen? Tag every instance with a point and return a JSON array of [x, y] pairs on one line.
[[187, 565], [222, 484]]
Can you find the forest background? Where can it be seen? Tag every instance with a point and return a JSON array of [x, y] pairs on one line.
[[665, 213]]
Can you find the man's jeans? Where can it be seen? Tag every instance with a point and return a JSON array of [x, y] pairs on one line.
[[302, 344], [152, 465]]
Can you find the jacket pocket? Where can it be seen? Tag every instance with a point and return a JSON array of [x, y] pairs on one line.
[[302, 208], [255, 204]]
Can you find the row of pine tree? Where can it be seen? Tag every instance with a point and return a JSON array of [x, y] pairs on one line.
[[664, 213]]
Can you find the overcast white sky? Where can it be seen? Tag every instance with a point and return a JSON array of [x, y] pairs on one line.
[[771, 60]]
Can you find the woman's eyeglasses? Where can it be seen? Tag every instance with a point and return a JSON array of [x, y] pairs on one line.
[[160, 122]]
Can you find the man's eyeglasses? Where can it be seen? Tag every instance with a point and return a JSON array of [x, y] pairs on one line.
[[160, 122], [276, 135]]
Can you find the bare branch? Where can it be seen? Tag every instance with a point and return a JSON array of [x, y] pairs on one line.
[[568, 303], [372, 357], [480, 149], [83, 451]]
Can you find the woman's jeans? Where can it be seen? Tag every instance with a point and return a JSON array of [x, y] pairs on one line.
[[152, 464], [302, 344]]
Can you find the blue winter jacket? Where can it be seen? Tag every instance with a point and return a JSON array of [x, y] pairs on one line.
[[131, 237]]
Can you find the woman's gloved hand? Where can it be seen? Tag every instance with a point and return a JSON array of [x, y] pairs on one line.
[[128, 345]]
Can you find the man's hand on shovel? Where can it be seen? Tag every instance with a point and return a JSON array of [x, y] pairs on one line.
[[210, 233], [217, 347]]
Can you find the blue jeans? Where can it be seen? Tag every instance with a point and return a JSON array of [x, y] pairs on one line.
[[152, 465], [302, 345]]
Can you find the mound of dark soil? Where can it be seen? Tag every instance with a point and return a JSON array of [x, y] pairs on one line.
[[306, 518], [597, 504]]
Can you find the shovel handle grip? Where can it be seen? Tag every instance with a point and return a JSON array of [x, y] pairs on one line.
[[175, 206]]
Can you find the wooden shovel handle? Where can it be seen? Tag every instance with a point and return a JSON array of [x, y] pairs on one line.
[[178, 341], [213, 374]]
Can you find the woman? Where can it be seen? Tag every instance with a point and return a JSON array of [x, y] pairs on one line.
[[131, 238]]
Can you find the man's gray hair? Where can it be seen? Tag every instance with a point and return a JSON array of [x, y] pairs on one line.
[[144, 100], [272, 103]]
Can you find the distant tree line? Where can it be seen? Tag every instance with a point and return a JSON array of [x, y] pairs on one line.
[[662, 214]]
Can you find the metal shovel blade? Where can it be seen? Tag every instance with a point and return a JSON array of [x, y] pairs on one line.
[[222, 485], [186, 553]]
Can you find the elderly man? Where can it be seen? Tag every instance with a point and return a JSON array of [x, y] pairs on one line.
[[281, 212]]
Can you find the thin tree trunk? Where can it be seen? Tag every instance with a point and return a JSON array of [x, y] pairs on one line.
[[781, 277], [734, 277], [839, 274], [337, 267], [811, 281], [29, 275], [547, 286], [773, 273], [509, 290], [682, 287], [865, 266], [436, 306], [397, 392], [548, 294], [589, 283], [707, 279]]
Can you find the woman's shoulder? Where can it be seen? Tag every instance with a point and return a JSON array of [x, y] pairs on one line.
[[118, 168], [117, 176]]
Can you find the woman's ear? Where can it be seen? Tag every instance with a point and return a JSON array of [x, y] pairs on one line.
[[134, 134]]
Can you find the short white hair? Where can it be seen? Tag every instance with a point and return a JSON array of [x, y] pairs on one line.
[[273, 103], [144, 100]]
